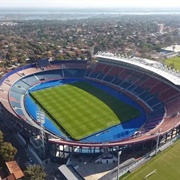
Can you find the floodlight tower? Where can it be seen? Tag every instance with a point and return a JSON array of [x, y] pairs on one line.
[[92, 51], [41, 119], [62, 67]]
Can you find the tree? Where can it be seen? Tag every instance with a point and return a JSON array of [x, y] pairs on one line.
[[34, 172], [157, 47], [8, 151], [1, 138], [8, 57], [60, 57]]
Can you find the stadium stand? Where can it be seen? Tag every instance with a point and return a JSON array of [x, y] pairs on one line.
[[17, 96], [15, 104], [74, 73], [158, 97], [46, 75], [30, 80]]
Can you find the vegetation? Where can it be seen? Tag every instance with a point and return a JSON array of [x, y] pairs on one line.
[[82, 109], [166, 166], [1, 137], [173, 62], [8, 151], [74, 39], [34, 172]]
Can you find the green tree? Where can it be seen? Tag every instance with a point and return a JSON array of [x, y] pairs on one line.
[[60, 57], [34, 172], [8, 151], [1, 137]]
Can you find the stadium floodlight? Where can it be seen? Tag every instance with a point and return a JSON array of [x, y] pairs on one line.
[[157, 143], [41, 120], [119, 155]]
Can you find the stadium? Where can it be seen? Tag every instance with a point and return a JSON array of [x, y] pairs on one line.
[[99, 107]]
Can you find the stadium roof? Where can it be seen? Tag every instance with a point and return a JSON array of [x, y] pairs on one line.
[[170, 74], [173, 48], [67, 173]]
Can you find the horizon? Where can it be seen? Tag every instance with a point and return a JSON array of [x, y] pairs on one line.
[[89, 4], [90, 9]]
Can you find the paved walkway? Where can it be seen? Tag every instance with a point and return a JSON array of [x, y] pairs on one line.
[[91, 170]]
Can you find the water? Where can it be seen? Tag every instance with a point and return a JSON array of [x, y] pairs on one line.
[[64, 14]]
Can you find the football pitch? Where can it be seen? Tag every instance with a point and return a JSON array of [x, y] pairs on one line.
[[81, 109], [165, 166], [174, 62]]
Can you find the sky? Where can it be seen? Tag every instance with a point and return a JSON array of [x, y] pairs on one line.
[[89, 3]]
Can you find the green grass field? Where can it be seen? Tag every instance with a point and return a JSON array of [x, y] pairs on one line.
[[166, 163], [82, 109], [173, 62]]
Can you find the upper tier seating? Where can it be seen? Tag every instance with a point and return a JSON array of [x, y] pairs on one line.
[[46, 75], [74, 73]]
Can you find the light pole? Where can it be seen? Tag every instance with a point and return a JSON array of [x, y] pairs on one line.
[[119, 155], [157, 143]]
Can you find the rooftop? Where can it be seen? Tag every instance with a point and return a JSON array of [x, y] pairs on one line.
[[67, 173], [174, 48], [14, 168]]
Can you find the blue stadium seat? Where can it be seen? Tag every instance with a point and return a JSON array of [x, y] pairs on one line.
[[74, 73], [31, 80], [15, 95]]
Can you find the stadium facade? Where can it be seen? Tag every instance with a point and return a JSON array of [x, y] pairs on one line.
[[155, 87]]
